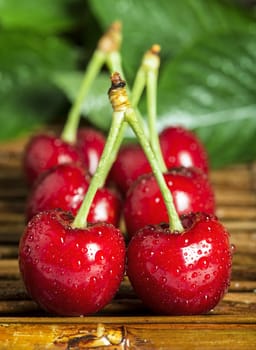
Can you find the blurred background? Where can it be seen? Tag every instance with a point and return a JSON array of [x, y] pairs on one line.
[[207, 79]]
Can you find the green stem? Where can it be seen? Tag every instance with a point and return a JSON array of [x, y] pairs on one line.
[[69, 132], [151, 82], [104, 165], [175, 223], [138, 87], [114, 62]]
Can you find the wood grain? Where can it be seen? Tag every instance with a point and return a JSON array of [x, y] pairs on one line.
[[125, 323]]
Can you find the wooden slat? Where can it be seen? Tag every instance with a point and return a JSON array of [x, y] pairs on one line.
[[125, 323], [128, 336]]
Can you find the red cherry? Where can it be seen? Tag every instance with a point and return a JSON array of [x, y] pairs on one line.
[[64, 186], [144, 203], [181, 147], [130, 163], [44, 151], [90, 144], [70, 271], [181, 273]]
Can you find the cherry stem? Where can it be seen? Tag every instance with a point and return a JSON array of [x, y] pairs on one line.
[[102, 170], [174, 220], [110, 149], [138, 86], [69, 132], [106, 52], [120, 102], [147, 76], [151, 65]]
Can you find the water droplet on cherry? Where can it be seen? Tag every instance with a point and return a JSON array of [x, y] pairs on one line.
[[31, 238], [194, 275], [27, 250]]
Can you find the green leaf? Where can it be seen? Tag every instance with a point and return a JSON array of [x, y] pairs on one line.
[[211, 87], [42, 16], [33, 54], [207, 76], [25, 107], [96, 107], [27, 66], [172, 24]]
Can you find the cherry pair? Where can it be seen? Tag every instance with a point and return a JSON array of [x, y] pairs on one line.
[[180, 267]]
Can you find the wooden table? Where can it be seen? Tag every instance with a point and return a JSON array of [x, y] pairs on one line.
[[125, 323]]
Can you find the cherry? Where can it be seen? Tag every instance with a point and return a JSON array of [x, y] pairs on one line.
[[44, 151], [144, 203], [90, 144], [181, 273], [183, 266], [181, 147], [130, 163], [70, 267], [64, 187], [70, 271]]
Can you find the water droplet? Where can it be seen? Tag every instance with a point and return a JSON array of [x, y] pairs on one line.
[[199, 252], [31, 238], [93, 279], [145, 189], [163, 280], [203, 263], [99, 257], [194, 275], [207, 276], [27, 250], [154, 269], [157, 200], [177, 271]]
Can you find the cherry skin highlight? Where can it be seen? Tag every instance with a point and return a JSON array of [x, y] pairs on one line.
[[90, 144], [181, 147], [43, 152], [70, 271], [65, 186], [144, 203], [184, 273]]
